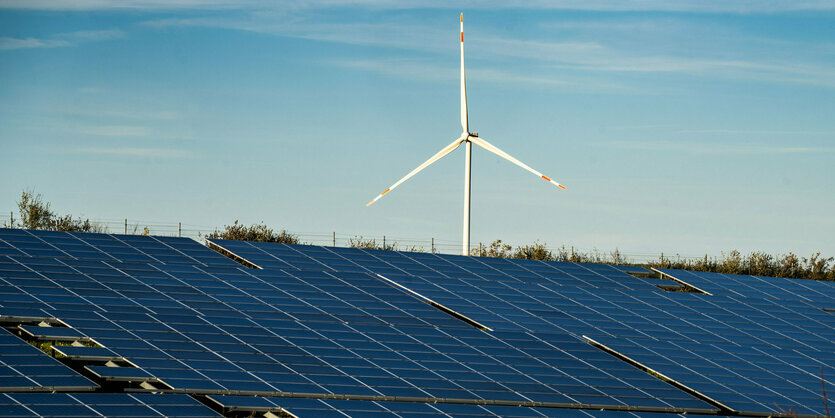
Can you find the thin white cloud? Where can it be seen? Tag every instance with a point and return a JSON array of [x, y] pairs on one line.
[[578, 56], [97, 112], [25, 43], [128, 4], [714, 148], [91, 35], [686, 6], [137, 152], [413, 69], [114, 130], [781, 72], [388, 34], [754, 132], [400, 35], [60, 40]]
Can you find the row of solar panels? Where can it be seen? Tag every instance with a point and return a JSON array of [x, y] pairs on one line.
[[291, 346], [310, 332], [327, 321], [138, 405], [31, 369], [143, 405], [764, 352]]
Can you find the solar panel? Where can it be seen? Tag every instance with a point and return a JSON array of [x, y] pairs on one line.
[[277, 256], [576, 301], [106, 247], [357, 408], [101, 404], [384, 347], [309, 331], [815, 293], [591, 397], [329, 407], [745, 378], [684, 317], [25, 368], [379, 325], [86, 353]]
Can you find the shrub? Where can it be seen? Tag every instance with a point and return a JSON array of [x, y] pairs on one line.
[[258, 232]]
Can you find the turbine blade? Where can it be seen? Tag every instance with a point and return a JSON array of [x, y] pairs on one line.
[[464, 123], [492, 148], [446, 150]]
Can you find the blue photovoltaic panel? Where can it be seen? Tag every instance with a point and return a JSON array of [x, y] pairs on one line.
[[106, 247], [683, 317], [745, 378], [295, 252], [25, 368], [86, 353], [50, 333], [336, 408], [320, 333], [311, 332], [97, 405], [354, 408], [275, 255], [322, 320], [578, 302], [816, 293]]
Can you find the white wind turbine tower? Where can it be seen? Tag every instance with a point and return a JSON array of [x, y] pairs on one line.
[[468, 138]]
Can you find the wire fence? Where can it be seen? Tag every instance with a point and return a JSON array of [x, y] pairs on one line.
[[341, 239]]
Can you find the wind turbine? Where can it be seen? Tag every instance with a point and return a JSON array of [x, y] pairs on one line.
[[468, 139]]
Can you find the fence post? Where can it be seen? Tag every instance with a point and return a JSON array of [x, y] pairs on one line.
[[126, 226], [179, 229], [334, 238], [384, 242], [433, 245]]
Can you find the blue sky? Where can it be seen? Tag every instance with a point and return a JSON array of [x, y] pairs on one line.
[[690, 127]]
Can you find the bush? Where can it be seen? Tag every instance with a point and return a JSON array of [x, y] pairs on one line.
[[535, 251], [495, 249], [757, 264], [372, 244], [258, 232]]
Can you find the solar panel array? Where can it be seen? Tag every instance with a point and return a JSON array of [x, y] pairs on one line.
[[702, 341], [25, 368], [317, 331], [138, 405], [809, 292], [341, 408]]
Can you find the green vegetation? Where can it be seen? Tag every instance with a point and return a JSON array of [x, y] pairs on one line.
[[539, 251], [788, 265], [758, 264], [257, 232], [46, 347], [37, 214], [372, 244]]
